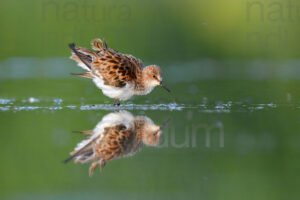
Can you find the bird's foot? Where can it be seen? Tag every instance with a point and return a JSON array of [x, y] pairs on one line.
[[116, 102]]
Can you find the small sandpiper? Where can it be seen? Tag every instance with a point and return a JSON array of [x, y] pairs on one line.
[[117, 135], [119, 76]]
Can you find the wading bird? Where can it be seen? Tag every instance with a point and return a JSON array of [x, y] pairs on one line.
[[118, 134], [119, 76]]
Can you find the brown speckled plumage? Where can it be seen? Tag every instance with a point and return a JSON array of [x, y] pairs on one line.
[[121, 75], [116, 141], [115, 68]]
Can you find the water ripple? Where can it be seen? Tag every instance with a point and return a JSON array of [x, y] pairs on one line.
[[55, 104]]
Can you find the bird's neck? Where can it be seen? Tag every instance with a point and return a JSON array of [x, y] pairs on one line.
[[143, 85]]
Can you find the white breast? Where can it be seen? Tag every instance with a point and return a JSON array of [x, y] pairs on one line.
[[123, 93]]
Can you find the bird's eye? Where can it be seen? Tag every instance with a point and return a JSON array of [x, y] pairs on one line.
[[154, 76]]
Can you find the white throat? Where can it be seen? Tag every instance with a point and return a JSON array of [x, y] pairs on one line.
[[145, 86]]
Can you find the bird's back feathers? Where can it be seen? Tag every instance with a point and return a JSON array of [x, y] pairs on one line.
[[114, 68]]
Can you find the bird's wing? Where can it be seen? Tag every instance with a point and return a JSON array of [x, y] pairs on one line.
[[117, 141], [114, 68]]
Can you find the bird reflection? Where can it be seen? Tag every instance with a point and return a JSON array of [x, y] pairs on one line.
[[117, 135]]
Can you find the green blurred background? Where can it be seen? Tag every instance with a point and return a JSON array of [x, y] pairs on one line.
[[168, 30], [230, 64]]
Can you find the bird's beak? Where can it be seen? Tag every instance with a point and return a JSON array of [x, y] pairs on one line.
[[164, 124], [164, 86]]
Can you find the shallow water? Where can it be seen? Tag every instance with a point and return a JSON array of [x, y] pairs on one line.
[[224, 141]]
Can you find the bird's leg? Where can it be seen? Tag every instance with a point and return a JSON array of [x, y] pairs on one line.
[[118, 102], [114, 103]]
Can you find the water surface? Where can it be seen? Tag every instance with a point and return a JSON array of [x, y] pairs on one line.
[[224, 141]]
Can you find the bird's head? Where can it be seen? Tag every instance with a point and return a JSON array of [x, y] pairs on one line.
[[152, 136], [153, 76], [152, 133]]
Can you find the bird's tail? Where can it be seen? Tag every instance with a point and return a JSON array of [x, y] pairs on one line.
[[84, 151], [82, 56]]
